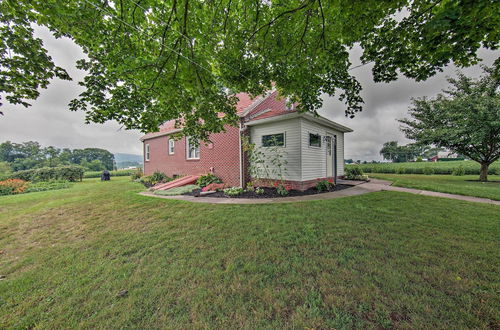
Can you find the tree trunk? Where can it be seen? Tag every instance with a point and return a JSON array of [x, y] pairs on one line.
[[483, 173]]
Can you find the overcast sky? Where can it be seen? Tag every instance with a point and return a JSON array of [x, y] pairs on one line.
[[49, 121]]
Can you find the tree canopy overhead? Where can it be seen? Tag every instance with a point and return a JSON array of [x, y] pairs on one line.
[[149, 61]]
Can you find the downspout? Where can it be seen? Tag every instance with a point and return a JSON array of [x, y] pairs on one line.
[[241, 155]]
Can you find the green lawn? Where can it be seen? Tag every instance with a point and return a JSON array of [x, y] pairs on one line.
[[446, 183], [380, 260]]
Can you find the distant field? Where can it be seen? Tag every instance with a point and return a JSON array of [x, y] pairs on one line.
[[443, 167]]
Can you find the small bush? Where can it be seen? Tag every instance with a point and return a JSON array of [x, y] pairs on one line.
[[355, 173], [428, 171], [5, 190], [324, 185], [419, 159], [153, 179], [177, 190], [13, 186], [137, 174], [458, 171], [259, 191], [282, 189], [67, 173], [207, 179], [233, 191]]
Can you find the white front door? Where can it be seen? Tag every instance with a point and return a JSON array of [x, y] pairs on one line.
[[329, 155]]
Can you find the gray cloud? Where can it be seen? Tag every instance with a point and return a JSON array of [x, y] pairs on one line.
[[50, 122], [386, 102]]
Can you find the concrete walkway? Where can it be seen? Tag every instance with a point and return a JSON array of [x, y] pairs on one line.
[[383, 185], [358, 188]]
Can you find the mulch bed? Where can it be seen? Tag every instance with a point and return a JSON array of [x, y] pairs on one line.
[[270, 193]]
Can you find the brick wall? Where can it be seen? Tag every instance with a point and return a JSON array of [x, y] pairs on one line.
[[222, 157]]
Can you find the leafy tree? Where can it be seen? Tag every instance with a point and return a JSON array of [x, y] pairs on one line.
[[91, 154], [152, 61], [391, 151], [464, 119]]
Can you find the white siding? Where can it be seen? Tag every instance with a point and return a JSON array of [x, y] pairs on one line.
[[313, 158], [292, 148]]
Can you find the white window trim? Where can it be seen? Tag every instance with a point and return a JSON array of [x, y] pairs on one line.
[[284, 140], [171, 148], [187, 150], [147, 152], [320, 140]]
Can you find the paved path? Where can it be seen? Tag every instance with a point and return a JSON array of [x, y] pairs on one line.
[[381, 185], [359, 188]]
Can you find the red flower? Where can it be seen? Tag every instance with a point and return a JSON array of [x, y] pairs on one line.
[[330, 180]]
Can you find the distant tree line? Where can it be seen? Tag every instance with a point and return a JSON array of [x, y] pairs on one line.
[[405, 153], [29, 155]]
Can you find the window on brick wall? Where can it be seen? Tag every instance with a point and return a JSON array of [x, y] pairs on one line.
[[171, 146], [192, 149], [146, 152]]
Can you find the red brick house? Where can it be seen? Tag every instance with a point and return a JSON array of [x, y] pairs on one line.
[[313, 146]]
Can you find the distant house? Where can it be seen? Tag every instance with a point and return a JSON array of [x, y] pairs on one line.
[[313, 146]]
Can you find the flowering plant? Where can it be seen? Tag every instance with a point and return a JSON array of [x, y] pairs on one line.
[[17, 186]]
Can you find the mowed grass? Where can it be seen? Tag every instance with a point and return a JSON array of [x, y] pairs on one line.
[[461, 185], [380, 260]]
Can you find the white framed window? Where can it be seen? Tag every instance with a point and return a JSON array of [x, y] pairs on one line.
[[192, 150], [171, 146], [273, 140], [146, 152], [314, 140]]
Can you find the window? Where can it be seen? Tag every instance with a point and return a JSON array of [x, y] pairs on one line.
[[193, 151], [273, 140], [171, 145], [314, 140], [146, 153]]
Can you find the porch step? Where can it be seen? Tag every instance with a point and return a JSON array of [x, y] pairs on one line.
[[185, 180]]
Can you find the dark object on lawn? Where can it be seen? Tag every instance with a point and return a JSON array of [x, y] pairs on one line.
[[122, 293], [105, 176]]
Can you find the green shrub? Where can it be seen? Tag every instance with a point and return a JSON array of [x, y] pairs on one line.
[[153, 179], [324, 185], [45, 186], [207, 179], [137, 174], [458, 171], [67, 173], [428, 171], [6, 190], [159, 177], [259, 191], [419, 159], [177, 190], [233, 191], [353, 172]]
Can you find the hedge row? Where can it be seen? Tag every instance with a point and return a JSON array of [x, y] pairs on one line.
[[469, 167], [97, 174], [67, 173]]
